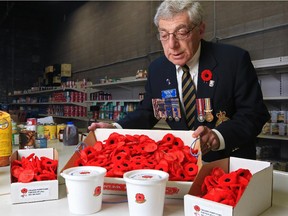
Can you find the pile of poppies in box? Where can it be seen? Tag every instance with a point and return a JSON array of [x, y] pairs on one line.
[[121, 153], [33, 168], [226, 188]]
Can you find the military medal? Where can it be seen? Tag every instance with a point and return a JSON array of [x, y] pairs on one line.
[[168, 108], [208, 110], [200, 109], [221, 118], [175, 109]]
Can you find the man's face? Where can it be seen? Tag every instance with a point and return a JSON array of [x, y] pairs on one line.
[[179, 52]]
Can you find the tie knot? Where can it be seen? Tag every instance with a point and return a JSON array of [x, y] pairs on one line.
[[185, 68]]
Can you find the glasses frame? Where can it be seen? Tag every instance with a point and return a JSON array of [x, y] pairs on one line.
[[175, 35]]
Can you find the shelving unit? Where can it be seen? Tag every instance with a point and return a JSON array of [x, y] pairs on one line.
[[273, 76], [54, 101], [124, 95]]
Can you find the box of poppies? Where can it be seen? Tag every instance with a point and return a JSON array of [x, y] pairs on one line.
[[122, 150], [230, 187], [34, 175]]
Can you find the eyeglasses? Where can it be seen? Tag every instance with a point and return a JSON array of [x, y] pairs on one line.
[[180, 34]]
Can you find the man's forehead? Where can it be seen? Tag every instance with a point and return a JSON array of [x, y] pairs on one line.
[[177, 27]]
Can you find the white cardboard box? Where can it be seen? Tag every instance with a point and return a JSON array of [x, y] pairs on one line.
[[174, 189], [256, 198], [36, 190]]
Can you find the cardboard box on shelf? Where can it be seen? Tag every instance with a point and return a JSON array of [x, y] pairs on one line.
[[37, 190], [256, 198], [174, 189]]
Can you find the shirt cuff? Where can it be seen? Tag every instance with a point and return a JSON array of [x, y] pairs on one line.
[[116, 125], [221, 139]]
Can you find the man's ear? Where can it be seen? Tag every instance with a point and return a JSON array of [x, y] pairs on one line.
[[202, 28]]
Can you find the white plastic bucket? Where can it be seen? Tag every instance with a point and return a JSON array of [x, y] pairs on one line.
[[84, 187], [146, 191]]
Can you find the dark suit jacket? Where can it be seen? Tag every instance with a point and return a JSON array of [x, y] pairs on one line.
[[236, 91]]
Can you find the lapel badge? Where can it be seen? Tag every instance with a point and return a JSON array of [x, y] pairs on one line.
[[221, 117], [168, 81], [211, 83]]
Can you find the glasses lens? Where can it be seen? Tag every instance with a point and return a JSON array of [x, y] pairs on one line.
[[182, 34], [162, 36]]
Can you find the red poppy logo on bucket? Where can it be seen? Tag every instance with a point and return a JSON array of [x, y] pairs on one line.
[[97, 191], [140, 198]]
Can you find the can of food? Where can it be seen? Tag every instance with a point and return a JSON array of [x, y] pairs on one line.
[[30, 127], [26, 139], [59, 128], [40, 131], [50, 131], [15, 139], [31, 121], [41, 143]]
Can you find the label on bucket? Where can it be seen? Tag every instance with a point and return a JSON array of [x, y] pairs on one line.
[[83, 173], [145, 176]]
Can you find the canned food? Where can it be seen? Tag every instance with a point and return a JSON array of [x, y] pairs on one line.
[[31, 121], [41, 143], [40, 131], [59, 128], [50, 131]]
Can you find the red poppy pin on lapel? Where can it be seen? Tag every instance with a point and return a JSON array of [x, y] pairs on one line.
[[206, 76]]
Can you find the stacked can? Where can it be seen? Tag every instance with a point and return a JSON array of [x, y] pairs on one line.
[[50, 131]]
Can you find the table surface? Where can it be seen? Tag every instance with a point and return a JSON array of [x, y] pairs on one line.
[[115, 203]]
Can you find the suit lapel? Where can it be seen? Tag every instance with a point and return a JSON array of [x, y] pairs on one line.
[[206, 62]]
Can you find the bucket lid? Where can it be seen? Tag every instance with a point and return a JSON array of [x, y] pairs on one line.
[[83, 172], [145, 176]]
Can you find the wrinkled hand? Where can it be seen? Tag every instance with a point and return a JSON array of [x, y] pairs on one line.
[[95, 125], [208, 139]]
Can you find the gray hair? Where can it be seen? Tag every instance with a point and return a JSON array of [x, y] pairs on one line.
[[169, 8]]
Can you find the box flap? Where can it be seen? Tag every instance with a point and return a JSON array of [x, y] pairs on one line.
[[257, 197], [89, 140]]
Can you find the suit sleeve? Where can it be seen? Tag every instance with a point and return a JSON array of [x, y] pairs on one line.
[[250, 112]]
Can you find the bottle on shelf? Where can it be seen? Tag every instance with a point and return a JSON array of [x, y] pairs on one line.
[[70, 134]]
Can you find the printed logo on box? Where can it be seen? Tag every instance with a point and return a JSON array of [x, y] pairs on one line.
[[198, 211], [34, 191]]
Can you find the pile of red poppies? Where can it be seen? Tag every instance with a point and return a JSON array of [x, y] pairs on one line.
[[33, 168], [122, 153], [226, 188]]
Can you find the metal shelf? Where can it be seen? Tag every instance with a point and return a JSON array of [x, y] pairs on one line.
[[49, 91], [49, 103], [67, 117], [274, 137]]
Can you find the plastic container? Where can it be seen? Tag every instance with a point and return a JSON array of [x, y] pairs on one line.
[[70, 134], [5, 138], [84, 188]]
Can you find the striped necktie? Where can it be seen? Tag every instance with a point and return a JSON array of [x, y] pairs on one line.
[[189, 96]]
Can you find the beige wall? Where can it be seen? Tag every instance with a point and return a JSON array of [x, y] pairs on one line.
[[115, 39]]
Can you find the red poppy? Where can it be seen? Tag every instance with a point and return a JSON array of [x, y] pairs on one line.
[[217, 172], [191, 169], [27, 175], [206, 75]]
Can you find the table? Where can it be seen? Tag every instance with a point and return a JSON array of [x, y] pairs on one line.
[[115, 204]]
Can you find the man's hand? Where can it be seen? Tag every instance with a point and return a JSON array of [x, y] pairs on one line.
[[95, 125], [208, 139]]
